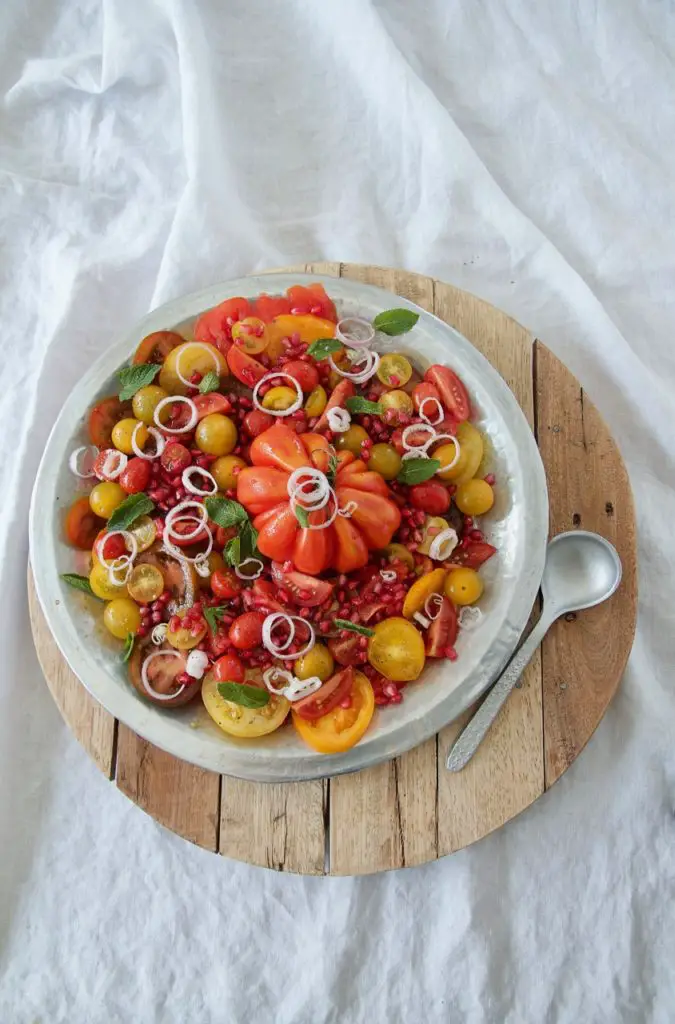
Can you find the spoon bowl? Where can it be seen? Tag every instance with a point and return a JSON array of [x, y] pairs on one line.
[[582, 569]]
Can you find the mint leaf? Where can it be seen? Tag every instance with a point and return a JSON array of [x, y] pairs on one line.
[[225, 512], [78, 582], [133, 378], [209, 382], [395, 321], [352, 626], [233, 551], [129, 511], [416, 471], [241, 693], [213, 616], [323, 347], [128, 647], [301, 516], [358, 404]]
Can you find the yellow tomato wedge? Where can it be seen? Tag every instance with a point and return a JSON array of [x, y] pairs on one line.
[[341, 728], [421, 590]]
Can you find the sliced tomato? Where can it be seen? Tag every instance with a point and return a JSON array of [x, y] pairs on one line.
[[215, 325], [268, 306], [343, 391], [327, 697], [311, 299], [257, 422], [306, 374], [244, 367], [163, 674], [225, 584], [420, 393], [179, 528], [342, 727], [136, 476], [103, 418], [346, 649], [306, 590], [263, 597], [442, 632], [81, 525], [156, 346], [471, 557], [453, 394], [213, 402]]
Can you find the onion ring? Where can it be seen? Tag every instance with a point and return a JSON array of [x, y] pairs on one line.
[[209, 351], [144, 675], [74, 458], [354, 331], [160, 442], [186, 478], [443, 545], [278, 412], [169, 400]]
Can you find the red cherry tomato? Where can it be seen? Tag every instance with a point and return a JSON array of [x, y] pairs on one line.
[[175, 458], [136, 476], [229, 669], [257, 422], [213, 402], [225, 584], [221, 535], [81, 525], [421, 392], [431, 497], [101, 460], [246, 630], [103, 418], [266, 307], [156, 347], [244, 367], [306, 374], [111, 548], [327, 697], [453, 393], [311, 299]]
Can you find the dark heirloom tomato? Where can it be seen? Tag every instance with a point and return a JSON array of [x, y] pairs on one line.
[[453, 393], [326, 697], [163, 676], [82, 526], [136, 476], [442, 632], [103, 418], [244, 367], [156, 347], [246, 630]]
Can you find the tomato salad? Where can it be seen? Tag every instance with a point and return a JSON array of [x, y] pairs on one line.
[[281, 518]]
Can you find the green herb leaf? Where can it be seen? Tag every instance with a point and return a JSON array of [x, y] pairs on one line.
[[128, 647], [416, 471], [78, 582], [233, 551], [241, 693], [395, 321], [358, 404], [352, 626], [129, 511], [209, 382], [225, 512], [332, 467], [323, 347], [133, 378], [213, 616], [301, 516]]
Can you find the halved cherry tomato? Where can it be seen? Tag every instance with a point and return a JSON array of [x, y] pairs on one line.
[[215, 325], [156, 347], [175, 457], [111, 548], [81, 525], [269, 306], [431, 497], [343, 391], [263, 597], [244, 367], [453, 393], [229, 669], [421, 392], [136, 476], [213, 402], [442, 631], [106, 462], [103, 418], [346, 649], [306, 591], [311, 299], [327, 697], [341, 728], [257, 422], [246, 630], [225, 584], [470, 557], [306, 374], [179, 528]]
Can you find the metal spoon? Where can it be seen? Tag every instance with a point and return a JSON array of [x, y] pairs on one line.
[[582, 569]]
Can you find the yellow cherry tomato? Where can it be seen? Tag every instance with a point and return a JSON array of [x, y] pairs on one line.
[[397, 400], [399, 552], [145, 583], [182, 639], [474, 498], [421, 591], [316, 401], [433, 525], [396, 650], [352, 439], [317, 662], [385, 460], [145, 532], [235, 719], [470, 454], [123, 431], [280, 398], [309, 327], [223, 471], [250, 334], [214, 561], [105, 497], [191, 357], [341, 728], [216, 434], [101, 584], [121, 617], [394, 370], [145, 402], [463, 586]]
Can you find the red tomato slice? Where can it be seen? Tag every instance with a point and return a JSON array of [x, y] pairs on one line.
[[471, 557], [156, 347], [103, 418], [257, 422], [343, 391], [266, 307], [346, 650], [244, 367], [442, 631], [453, 393], [328, 697], [180, 528], [311, 299], [263, 597], [422, 391], [307, 591], [82, 526], [306, 374], [215, 325], [213, 402]]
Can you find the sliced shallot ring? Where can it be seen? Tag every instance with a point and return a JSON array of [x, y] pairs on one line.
[[169, 400], [422, 414], [469, 617], [345, 331], [274, 673], [422, 619], [129, 540], [189, 472], [159, 632], [180, 554], [74, 459], [300, 688], [209, 349], [250, 576], [314, 493], [418, 428], [432, 606], [388, 575], [202, 569], [455, 458], [144, 675], [372, 361], [339, 420], [124, 562], [278, 412], [443, 545], [114, 464], [268, 626], [348, 510], [160, 443], [175, 514]]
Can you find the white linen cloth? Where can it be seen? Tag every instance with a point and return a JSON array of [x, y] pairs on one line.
[[523, 151]]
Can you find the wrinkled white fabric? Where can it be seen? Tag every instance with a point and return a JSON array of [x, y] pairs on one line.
[[523, 151]]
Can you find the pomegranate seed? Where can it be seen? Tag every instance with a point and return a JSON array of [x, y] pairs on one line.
[[490, 479], [156, 617], [142, 630]]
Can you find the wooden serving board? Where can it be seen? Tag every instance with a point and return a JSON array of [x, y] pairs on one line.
[[411, 810]]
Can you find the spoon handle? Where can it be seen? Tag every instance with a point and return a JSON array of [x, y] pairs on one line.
[[471, 737]]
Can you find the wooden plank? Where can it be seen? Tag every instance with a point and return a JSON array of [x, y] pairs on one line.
[[274, 826], [583, 659], [507, 773], [93, 727], [177, 794]]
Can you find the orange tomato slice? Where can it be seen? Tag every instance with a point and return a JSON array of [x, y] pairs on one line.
[[421, 590], [341, 728]]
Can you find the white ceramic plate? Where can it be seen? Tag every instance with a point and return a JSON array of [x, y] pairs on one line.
[[517, 526]]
